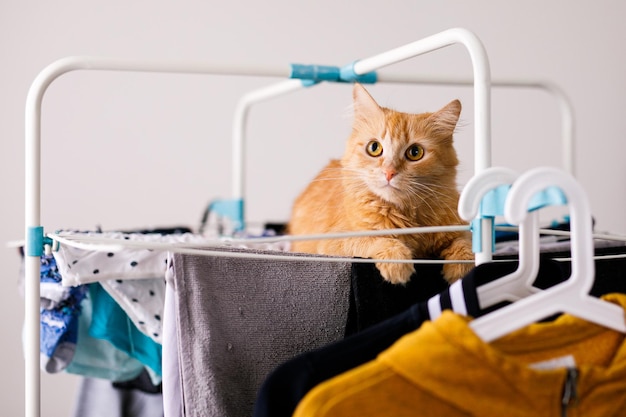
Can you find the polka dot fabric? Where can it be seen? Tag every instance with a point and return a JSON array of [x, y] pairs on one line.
[[80, 266], [134, 278], [143, 302]]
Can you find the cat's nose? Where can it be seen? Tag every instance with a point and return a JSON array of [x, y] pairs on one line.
[[389, 174]]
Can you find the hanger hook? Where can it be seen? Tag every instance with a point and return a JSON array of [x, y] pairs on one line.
[[479, 185], [537, 180]]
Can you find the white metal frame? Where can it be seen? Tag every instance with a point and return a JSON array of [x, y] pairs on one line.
[[482, 157]]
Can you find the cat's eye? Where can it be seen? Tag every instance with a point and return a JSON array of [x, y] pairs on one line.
[[415, 152], [374, 148]]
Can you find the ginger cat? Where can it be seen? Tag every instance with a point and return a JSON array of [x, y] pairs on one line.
[[398, 171]]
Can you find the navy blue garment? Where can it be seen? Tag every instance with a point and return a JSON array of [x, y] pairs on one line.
[[372, 299], [288, 384], [610, 272]]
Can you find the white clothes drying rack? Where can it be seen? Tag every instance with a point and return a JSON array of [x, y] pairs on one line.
[[35, 239]]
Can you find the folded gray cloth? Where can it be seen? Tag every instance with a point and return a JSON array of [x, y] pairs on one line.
[[238, 319]]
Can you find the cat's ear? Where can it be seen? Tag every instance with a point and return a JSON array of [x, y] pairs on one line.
[[365, 107], [444, 121]]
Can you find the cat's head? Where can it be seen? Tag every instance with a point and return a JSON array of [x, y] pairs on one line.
[[405, 159]]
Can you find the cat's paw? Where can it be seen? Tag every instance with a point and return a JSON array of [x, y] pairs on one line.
[[395, 273], [455, 271], [460, 249]]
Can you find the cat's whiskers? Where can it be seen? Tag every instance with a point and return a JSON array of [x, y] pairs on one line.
[[424, 200], [422, 190], [430, 191], [331, 179], [341, 174]]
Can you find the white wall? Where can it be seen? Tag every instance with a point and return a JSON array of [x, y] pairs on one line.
[[130, 150]]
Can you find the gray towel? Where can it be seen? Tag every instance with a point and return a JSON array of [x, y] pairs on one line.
[[240, 318]]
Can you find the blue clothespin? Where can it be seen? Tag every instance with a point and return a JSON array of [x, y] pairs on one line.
[[314, 74], [231, 209]]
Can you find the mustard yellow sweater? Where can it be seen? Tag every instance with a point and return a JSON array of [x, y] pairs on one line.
[[564, 367]]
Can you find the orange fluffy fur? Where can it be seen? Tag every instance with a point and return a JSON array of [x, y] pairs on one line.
[[407, 179]]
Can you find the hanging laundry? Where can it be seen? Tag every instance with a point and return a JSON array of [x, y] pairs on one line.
[[80, 266], [58, 317], [237, 320], [98, 358], [109, 322], [142, 300], [291, 381], [373, 300], [444, 369]]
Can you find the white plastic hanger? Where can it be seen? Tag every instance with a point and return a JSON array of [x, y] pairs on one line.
[[571, 296], [518, 284]]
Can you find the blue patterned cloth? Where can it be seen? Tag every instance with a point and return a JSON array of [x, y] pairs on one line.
[[58, 317]]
